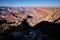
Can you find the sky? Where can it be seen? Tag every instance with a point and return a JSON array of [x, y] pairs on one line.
[[30, 3]]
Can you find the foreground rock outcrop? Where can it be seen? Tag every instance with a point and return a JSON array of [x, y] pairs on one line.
[[42, 31]]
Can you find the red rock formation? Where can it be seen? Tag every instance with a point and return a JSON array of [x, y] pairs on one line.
[[38, 13]]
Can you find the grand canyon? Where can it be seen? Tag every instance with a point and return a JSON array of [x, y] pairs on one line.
[[37, 14], [44, 21]]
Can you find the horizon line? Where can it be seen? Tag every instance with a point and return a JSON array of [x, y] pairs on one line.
[[29, 6]]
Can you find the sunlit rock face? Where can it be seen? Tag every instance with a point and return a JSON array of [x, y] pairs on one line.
[[33, 15]]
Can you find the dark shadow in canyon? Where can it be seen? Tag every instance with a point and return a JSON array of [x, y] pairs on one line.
[[42, 31]]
